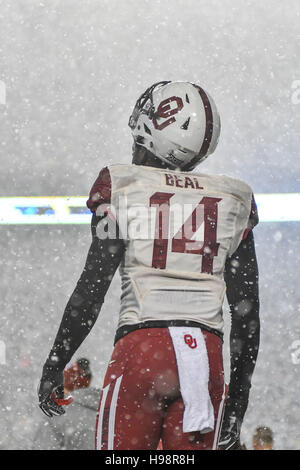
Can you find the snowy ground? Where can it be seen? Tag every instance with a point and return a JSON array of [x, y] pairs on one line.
[[72, 72]]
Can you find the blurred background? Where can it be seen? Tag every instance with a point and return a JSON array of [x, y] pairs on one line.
[[72, 72]]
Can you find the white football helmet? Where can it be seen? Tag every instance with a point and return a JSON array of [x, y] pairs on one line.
[[178, 122]]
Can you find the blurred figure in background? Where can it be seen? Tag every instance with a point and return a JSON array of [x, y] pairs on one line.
[[263, 438], [76, 429]]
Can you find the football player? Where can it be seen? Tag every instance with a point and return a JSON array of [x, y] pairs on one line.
[[181, 240]]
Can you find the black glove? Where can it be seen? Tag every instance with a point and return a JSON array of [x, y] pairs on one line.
[[230, 433], [51, 387]]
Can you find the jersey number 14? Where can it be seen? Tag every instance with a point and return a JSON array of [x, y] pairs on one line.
[[206, 212]]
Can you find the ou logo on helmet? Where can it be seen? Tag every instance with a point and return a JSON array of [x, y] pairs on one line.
[[165, 111]]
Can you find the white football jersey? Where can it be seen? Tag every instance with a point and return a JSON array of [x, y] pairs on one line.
[[179, 228]]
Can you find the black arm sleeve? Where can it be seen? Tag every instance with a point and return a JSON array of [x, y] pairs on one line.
[[241, 277], [84, 305]]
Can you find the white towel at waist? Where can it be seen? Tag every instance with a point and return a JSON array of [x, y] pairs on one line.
[[193, 369]]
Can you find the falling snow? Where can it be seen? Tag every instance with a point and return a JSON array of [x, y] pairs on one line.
[[72, 71]]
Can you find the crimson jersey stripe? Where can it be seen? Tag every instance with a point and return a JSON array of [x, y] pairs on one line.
[[101, 190]]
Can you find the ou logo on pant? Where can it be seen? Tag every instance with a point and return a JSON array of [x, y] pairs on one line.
[[190, 341]]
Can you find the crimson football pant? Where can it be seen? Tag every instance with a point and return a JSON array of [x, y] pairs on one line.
[[141, 404]]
